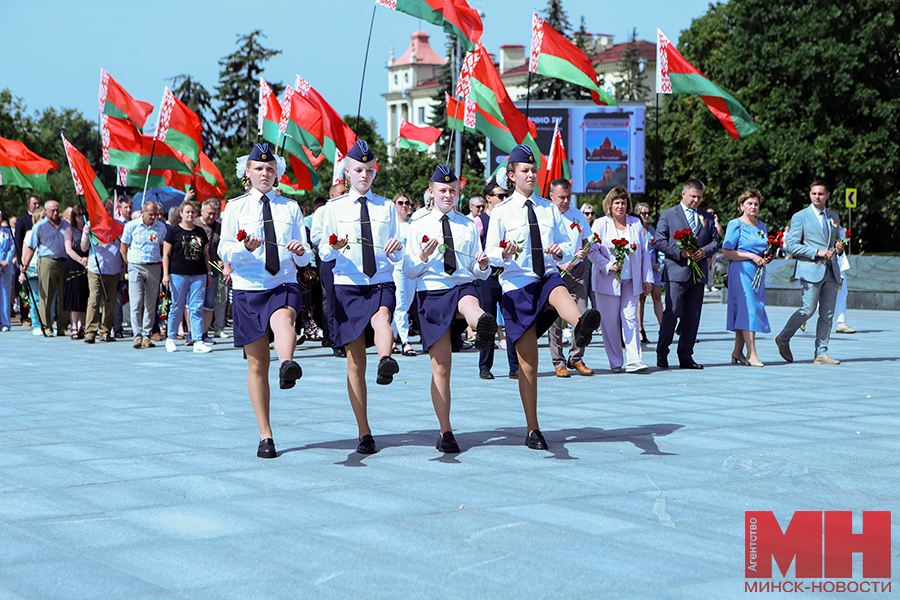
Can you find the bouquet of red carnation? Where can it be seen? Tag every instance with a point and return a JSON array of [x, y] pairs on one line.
[[622, 249], [687, 241], [165, 304], [776, 241]]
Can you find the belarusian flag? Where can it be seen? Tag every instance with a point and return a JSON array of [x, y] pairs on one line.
[[116, 102], [207, 181], [552, 55], [21, 167], [103, 226], [300, 125], [417, 138], [124, 146], [208, 177], [460, 116], [337, 134], [455, 17], [557, 163], [497, 117], [179, 126], [675, 75], [307, 179]]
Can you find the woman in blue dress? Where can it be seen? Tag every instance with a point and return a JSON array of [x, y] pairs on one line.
[[745, 244]]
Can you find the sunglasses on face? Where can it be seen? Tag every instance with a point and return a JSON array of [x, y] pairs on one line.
[[403, 203], [644, 213], [588, 213], [501, 196]]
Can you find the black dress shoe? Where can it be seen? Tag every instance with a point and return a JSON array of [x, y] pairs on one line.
[[266, 448], [447, 443], [514, 375], [485, 331], [107, 338], [690, 364], [486, 374], [288, 374], [340, 352], [662, 362], [366, 445], [387, 368], [586, 326], [535, 440]]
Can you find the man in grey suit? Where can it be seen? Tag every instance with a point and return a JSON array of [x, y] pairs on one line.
[[813, 241], [684, 290]]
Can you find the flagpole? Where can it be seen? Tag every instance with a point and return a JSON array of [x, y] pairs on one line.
[[656, 159], [19, 259], [149, 166], [457, 140], [528, 94], [365, 62], [96, 260]]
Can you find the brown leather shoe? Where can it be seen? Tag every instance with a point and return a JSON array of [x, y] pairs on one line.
[[581, 368], [146, 343], [561, 371], [137, 343], [157, 337]]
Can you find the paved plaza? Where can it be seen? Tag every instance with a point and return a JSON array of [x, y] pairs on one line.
[[130, 474]]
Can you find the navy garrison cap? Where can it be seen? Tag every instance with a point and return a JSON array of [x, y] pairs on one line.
[[521, 154], [360, 151], [262, 153], [443, 174]]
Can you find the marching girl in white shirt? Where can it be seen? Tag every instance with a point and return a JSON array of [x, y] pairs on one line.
[[444, 255], [527, 237], [264, 241], [359, 233]]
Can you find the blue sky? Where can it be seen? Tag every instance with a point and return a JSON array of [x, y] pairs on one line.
[[53, 50]]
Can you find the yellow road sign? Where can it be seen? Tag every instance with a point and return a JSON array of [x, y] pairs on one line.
[[851, 198]]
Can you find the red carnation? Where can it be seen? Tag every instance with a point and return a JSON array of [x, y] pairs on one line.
[[848, 234], [424, 239], [597, 237], [503, 243], [634, 246], [332, 239], [241, 235]]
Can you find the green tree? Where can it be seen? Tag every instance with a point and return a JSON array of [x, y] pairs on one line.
[[825, 98], [237, 92], [631, 88], [199, 100]]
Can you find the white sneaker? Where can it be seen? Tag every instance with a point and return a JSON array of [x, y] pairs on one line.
[[637, 367], [37, 331], [4, 328], [222, 335], [201, 348], [170, 345]]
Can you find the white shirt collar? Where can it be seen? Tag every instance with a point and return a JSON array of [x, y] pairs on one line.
[[355, 195]]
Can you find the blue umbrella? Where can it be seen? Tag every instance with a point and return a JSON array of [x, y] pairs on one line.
[[166, 197]]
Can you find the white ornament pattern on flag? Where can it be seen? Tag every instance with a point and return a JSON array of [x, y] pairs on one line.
[[165, 113], [286, 109], [469, 118], [337, 176], [264, 92], [121, 176], [537, 40], [662, 61], [104, 88], [402, 123], [104, 138], [391, 4], [464, 85], [79, 189], [302, 86]]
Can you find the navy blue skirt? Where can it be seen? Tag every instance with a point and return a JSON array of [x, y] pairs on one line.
[[437, 313], [252, 310], [526, 308], [354, 307]]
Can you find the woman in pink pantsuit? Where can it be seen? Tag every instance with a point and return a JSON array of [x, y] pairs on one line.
[[618, 300]]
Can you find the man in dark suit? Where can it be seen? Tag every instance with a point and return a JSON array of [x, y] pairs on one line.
[[684, 288], [24, 223]]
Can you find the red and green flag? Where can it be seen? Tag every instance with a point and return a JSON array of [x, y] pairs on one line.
[[21, 167], [179, 127], [553, 55], [123, 145], [301, 124], [496, 115], [306, 176], [557, 163], [417, 138], [460, 114], [87, 184], [338, 138], [117, 103], [455, 17], [206, 179], [675, 75]]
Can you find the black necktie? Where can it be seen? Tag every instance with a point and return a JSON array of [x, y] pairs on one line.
[[368, 244], [537, 251], [272, 262], [450, 252]]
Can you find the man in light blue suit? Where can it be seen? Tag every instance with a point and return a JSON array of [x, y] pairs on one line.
[[814, 241]]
